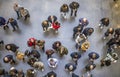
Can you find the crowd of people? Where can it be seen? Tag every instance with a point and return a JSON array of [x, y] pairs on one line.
[[81, 33]]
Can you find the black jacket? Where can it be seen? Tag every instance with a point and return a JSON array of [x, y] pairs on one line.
[[74, 5], [88, 31], [52, 73], [13, 47], [105, 21]]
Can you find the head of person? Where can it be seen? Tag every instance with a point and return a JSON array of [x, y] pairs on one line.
[[94, 55], [16, 4], [22, 9], [58, 44], [84, 20], [64, 5], [111, 29], [6, 59], [45, 22], [11, 19], [51, 61], [8, 47], [91, 67], [71, 67], [91, 30], [106, 20], [86, 45]]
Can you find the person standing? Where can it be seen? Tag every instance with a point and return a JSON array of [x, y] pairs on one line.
[[16, 8], [11, 47], [75, 56], [13, 23], [88, 31], [84, 46], [49, 53], [70, 67], [64, 9], [108, 33], [24, 13], [74, 7], [104, 22], [41, 44], [45, 25]]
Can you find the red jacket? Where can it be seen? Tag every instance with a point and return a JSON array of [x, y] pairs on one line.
[[55, 26], [31, 42]]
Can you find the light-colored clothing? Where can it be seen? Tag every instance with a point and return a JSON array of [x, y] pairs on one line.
[[52, 62], [85, 46], [24, 12]]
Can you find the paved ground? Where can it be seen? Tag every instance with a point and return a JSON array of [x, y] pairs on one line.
[[39, 10]]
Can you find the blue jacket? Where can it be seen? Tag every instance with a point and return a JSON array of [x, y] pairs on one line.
[[91, 55], [2, 21], [68, 65]]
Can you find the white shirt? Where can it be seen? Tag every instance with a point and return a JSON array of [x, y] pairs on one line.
[[16, 8], [54, 63]]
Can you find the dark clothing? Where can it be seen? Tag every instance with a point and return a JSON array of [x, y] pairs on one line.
[[104, 22], [1, 42], [75, 56], [35, 54], [30, 73], [5, 27], [13, 23], [109, 32], [7, 75], [83, 21], [117, 33], [49, 53], [52, 19], [2, 71], [51, 74], [45, 25], [74, 7], [31, 61], [93, 55], [74, 75], [54, 46], [111, 42], [88, 67], [107, 62], [9, 59], [77, 29], [2, 21], [27, 53], [41, 44], [13, 47], [115, 0], [67, 67], [88, 31]]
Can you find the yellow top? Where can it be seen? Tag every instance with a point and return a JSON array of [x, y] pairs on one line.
[[20, 56], [85, 46]]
